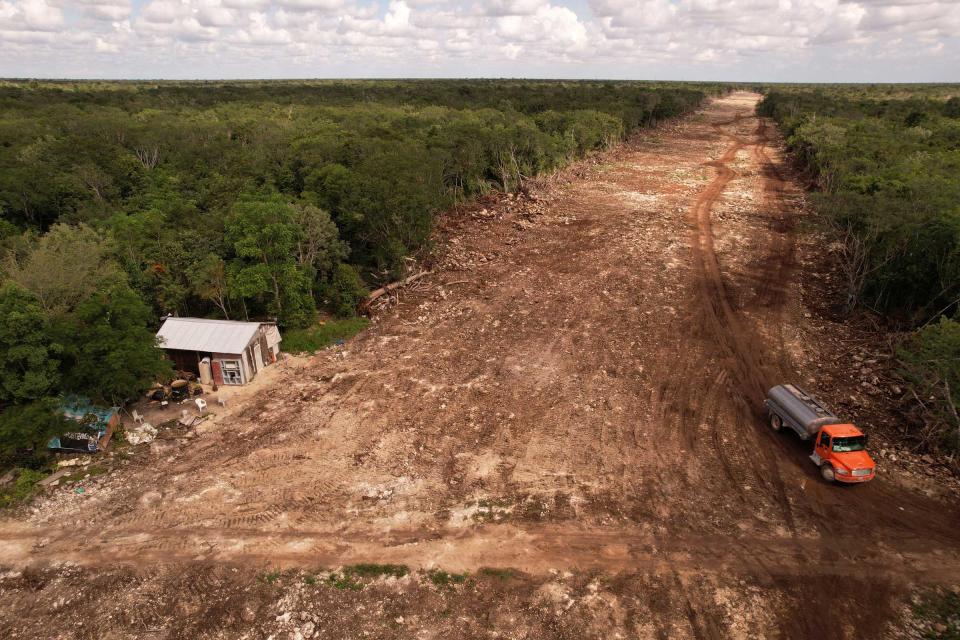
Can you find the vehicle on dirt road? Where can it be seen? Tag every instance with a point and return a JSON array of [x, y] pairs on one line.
[[839, 448]]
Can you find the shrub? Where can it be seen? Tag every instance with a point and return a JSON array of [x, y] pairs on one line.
[[344, 292], [931, 361], [377, 570], [500, 574], [22, 489], [444, 579], [26, 429], [344, 581]]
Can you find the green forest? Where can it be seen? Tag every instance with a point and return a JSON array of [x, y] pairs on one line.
[[886, 160], [125, 201]]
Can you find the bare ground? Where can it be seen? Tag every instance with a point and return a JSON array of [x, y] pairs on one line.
[[574, 393]]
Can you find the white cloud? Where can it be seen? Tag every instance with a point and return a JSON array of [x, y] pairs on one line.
[[510, 7], [109, 10], [261, 33], [245, 4], [310, 5], [488, 37], [30, 15], [548, 26], [215, 15], [165, 11], [904, 17], [397, 19], [102, 46]]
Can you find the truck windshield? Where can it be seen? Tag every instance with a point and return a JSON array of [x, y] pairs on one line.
[[856, 443]]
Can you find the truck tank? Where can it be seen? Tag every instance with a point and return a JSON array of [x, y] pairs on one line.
[[801, 407]]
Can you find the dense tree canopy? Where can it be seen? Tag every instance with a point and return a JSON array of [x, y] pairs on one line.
[[888, 169]]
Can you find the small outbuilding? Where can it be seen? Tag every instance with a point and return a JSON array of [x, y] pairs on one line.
[[220, 351]]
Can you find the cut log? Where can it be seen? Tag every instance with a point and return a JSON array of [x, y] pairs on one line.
[[365, 305], [46, 482]]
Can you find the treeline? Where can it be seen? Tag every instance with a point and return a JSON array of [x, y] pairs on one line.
[[249, 200], [887, 161], [635, 103]]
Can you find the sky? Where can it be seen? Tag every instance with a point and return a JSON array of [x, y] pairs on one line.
[[735, 40]]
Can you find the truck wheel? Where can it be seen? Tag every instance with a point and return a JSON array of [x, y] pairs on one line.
[[776, 422], [827, 472]]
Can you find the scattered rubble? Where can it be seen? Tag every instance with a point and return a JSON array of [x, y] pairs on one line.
[[142, 434]]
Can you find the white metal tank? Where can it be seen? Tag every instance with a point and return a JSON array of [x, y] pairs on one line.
[[801, 407], [206, 373]]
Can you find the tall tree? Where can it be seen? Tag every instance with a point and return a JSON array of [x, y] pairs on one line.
[[318, 245], [264, 237], [63, 267], [209, 280], [110, 349], [29, 363]]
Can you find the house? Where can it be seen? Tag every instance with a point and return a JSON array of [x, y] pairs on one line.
[[95, 425], [220, 351]]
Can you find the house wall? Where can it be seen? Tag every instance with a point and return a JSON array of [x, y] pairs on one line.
[[248, 371], [272, 335], [220, 357]]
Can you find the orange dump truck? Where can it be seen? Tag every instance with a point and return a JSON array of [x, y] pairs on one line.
[[840, 449]]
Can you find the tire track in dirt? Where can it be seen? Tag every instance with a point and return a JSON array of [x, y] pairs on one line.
[[738, 345], [531, 549]]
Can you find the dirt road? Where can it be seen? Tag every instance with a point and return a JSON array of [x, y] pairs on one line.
[[577, 390]]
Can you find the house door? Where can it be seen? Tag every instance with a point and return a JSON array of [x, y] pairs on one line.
[[258, 356], [217, 370]]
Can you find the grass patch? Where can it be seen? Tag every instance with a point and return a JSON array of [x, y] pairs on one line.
[[500, 574], [21, 489], [494, 503], [270, 577], [119, 437], [445, 579], [343, 582], [93, 470], [939, 612], [349, 578], [491, 509], [377, 570], [320, 336], [310, 579]]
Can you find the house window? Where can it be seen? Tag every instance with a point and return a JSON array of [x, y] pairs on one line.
[[231, 372]]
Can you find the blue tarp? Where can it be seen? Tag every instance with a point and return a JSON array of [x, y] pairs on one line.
[[94, 421]]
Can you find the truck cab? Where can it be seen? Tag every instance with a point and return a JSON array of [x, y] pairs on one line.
[[839, 448], [840, 451]]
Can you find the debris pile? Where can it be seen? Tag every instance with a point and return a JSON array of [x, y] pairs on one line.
[[143, 434]]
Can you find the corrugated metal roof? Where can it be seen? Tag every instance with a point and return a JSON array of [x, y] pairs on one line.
[[201, 334]]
